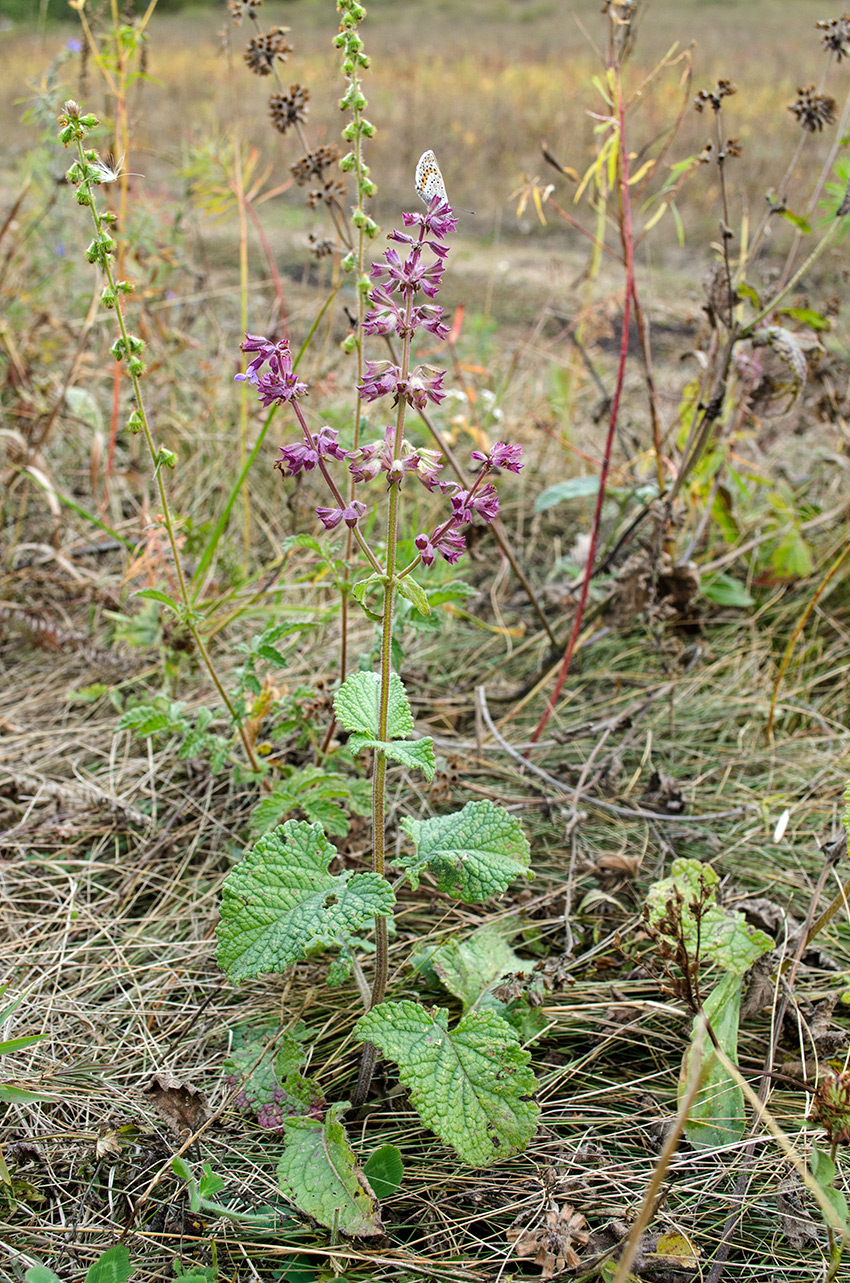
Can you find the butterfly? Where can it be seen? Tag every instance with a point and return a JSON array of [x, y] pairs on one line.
[[429, 180]]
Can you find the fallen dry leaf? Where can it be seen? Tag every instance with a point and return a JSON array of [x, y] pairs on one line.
[[182, 1107], [551, 1241]]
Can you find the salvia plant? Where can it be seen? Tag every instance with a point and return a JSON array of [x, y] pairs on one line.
[[471, 1083]]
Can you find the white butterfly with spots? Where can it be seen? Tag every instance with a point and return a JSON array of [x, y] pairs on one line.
[[429, 180]]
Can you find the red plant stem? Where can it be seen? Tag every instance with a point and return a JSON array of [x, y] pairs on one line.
[[627, 238], [267, 250]]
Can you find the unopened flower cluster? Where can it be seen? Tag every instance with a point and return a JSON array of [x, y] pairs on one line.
[[402, 279]]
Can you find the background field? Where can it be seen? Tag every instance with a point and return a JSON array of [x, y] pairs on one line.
[[115, 849]]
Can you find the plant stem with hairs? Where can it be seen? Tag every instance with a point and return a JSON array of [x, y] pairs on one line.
[[85, 174]]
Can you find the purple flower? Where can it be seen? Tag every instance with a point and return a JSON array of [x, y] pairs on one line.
[[430, 318], [439, 220], [73, 46], [501, 456], [331, 517], [280, 384], [484, 501], [381, 378], [422, 385], [385, 316], [410, 275], [425, 384], [304, 455], [450, 544], [365, 463]]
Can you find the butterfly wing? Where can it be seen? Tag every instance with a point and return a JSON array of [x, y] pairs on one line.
[[429, 180]]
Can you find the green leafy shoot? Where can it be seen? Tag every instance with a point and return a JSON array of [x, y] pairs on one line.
[[202, 1190], [324, 796], [473, 853], [281, 903], [318, 1173], [469, 968], [166, 717], [472, 1086], [682, 910], [265, 648], [357, 709]]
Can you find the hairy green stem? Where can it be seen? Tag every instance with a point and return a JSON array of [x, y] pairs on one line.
[[163, 495]]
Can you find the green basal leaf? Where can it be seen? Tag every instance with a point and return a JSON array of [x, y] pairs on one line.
[[797, 220], [18, 1044], [414, 593], [717, 1115], [356, 706], [41, 1274], [416, 755], [153, 594], [210, 1183], [473, 853], [723, 937], [469, 967], [725, 590], [280, 902], [471, 1085], [19, 1096], [573, 488], [747, 291], [384, 1171], [269, 1075], [113, 1267], [317, 1171], [824, 1172]]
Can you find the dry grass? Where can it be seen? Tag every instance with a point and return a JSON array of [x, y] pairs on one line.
[[114, 852]]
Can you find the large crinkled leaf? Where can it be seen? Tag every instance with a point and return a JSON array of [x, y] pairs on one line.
[[471, 1085], [469, 967], [318, 1173], [473, 853], [280, 902], [717, 1115], [416, 755], [356, 706]]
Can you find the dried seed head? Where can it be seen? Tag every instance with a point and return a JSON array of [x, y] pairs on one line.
[[261, 51], [836, 35], [813, 110], [832, 1107], [314, 164], [333, 190], [714, 97], [240, 9], [320, 246], [289, 109]]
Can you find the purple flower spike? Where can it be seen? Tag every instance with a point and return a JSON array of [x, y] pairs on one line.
[[501, 456], [331, 517]]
